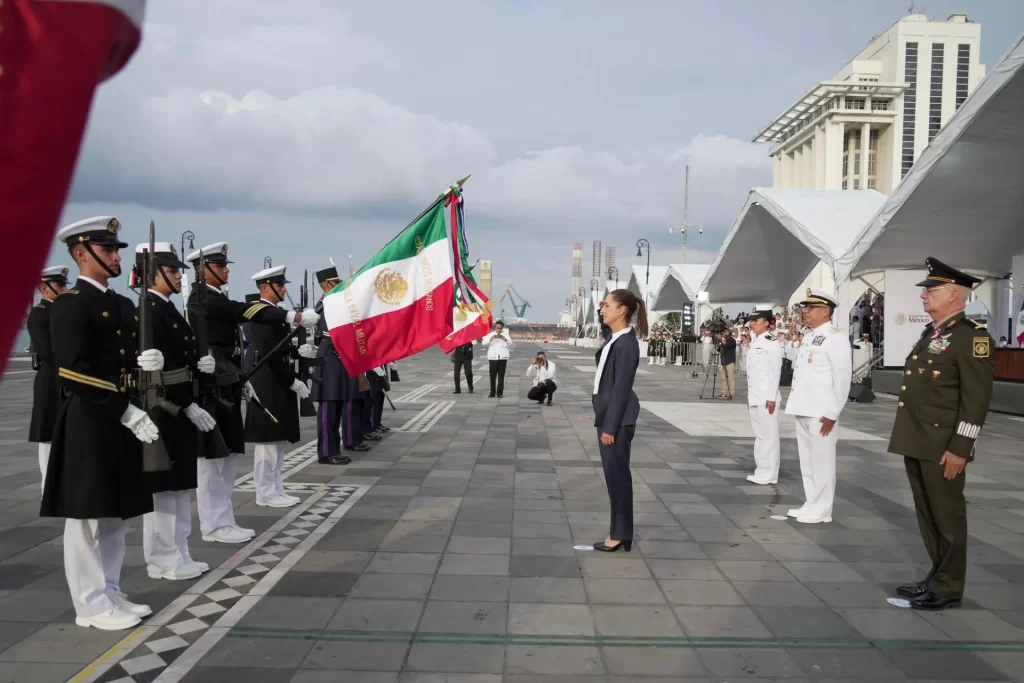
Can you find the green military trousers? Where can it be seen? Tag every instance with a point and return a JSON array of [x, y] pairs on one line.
[[942, 517]]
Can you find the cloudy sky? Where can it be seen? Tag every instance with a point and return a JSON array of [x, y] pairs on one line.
[[310, 129]]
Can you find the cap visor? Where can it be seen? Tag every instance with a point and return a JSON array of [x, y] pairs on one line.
[[930, 283]]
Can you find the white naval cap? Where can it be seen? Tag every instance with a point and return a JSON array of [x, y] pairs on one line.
[[55, 274], [212, 253], [816, 295], [271, 276], [97, 230]]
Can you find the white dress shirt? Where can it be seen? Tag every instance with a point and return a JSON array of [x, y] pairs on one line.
[[541, 373], [604, 357], [498, 346]]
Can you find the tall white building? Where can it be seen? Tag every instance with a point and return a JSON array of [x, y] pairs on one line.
[[890, 99]]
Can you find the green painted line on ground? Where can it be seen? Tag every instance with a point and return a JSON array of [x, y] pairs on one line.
[[543, 640]]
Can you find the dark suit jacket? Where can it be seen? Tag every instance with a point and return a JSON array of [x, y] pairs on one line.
[[615, 403]]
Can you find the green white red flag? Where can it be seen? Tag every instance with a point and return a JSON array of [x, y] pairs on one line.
[[471, 317], [400, 302]]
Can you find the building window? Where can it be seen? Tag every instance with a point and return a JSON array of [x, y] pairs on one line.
[[880, 105], [963, 67], [871, 182], [844, 184], [935, 105], [854, 102], [909, 107]]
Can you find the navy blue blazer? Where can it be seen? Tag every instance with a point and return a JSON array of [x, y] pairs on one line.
[[615, 403]]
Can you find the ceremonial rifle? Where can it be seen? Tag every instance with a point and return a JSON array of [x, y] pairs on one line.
[[150, 385], [302, 365]]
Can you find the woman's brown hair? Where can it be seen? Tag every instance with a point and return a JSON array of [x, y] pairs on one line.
[[634, 307]]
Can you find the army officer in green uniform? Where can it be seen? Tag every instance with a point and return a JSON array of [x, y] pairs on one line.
[[947, 388]]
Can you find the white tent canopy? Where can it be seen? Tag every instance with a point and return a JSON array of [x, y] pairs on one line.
[[963, 200], [638, 283], [779, 237], [679, 287]]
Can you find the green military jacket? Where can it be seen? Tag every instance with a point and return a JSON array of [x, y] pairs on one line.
[[946, 391]]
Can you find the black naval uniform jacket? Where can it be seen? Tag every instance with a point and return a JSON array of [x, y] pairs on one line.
[[95, 467], [45, 394], [946, 391], [272, 384], [331, 382], [173, 337], [224, 337]]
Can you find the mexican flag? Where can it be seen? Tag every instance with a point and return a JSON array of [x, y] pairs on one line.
[[471, 316], [400, 302]]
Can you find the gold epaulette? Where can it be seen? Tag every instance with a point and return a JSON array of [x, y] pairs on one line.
[[86, 379], [68, 291], [253, 310], [975, 324]]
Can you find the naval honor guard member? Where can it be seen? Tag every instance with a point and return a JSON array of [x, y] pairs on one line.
[[165, 531], [944, 399], [95, 478], [277, 386], [764, 370], [223, 317], [822, 373], [328, 378], [45, 393]]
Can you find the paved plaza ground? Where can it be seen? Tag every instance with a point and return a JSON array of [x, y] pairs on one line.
[[446, 555]]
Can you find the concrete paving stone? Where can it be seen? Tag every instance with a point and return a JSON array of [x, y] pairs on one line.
[[479, 546], [456, 658], [974, 624], [356, 534], [464, 617], [939, 665], [416, 677], [360, 614], [482, 529], [635, 620], [693, 592], [345, 656], [752, 570], [671, 550], [547, 590], [696, 570], [471, 588], [520, 504], [540, 660], [829, 572], [847, 664], [399, 586], [849, 594], [623, 591], [307, 676], [886, 623], [414, 544], [650, 661], [288, 611], [548, 547], [494, 516], [16, 576], [550, 619], [721, 622], [535, 530], [543, 565], [611, 567], [315, 584], [376, 512], [404, 563], [474, 565], [37, 606], [793, 594], [271, 653], [61, 643], [806, 622], [37, 672], [735, 551], [406, 529], [750, 663]]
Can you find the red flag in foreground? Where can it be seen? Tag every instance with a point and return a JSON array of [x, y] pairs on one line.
[[53, 54]]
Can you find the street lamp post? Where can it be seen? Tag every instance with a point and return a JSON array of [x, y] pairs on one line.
[[594, 285], [684, 230], [267, 262], [190, 236], [572, 323], [641, 246], [613, 273], [568, 305]]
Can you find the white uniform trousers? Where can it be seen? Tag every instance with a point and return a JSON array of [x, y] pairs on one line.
[[767, 451], [817, 465], [268, 471], [165, 531], [216, 485], [93, 555], [44, 457]]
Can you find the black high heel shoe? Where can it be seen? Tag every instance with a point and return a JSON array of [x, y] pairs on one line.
[[628, 545]]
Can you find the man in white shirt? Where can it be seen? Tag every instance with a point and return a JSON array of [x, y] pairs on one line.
[[499, 346], [821, 387], [542, 372], [764, 370]]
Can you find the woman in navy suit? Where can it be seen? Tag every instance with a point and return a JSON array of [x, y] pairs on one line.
[[616, 408]]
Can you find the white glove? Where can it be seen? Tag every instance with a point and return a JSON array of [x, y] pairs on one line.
[[206, 365], [203, 421], [307, 351], [310, 317], [142, 427], [151, 360], [248, 392], [300, 388]]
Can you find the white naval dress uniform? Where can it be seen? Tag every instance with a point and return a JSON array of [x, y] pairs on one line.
[[764, 369], [822, 373]]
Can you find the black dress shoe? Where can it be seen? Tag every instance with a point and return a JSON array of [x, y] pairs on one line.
[[626, 545], [372, 437], [549, 400], [913, 590], [490, 395], [459, 392], [359, 448], [471, 390], [335, 460], [933, 603], [382, 429]]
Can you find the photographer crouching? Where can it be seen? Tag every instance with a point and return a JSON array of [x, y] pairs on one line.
[[543, 375]]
